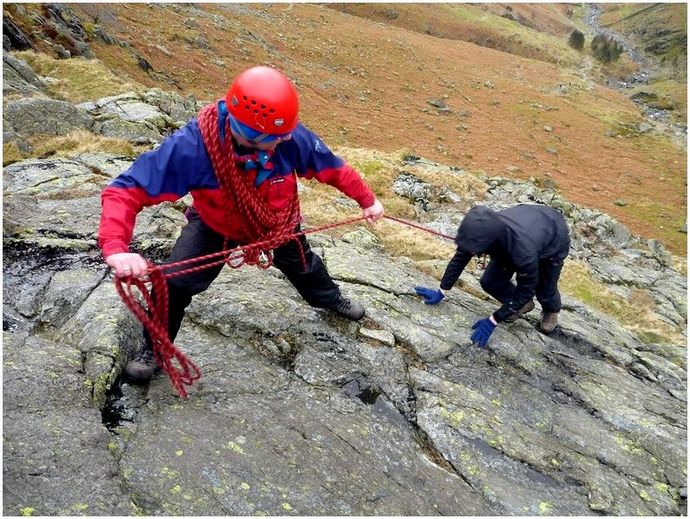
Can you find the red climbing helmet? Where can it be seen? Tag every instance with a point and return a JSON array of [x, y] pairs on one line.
[[264, 99]]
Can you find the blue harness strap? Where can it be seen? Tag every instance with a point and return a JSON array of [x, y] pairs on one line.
[[222, 117]]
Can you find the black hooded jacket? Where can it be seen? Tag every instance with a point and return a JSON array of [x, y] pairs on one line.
[[518, 238]]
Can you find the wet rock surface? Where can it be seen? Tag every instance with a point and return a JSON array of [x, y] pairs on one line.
[[300, 412]]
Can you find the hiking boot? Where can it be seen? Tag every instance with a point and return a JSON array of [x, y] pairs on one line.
[[526, 308], [347, 308], [549, 320], [140, 369]]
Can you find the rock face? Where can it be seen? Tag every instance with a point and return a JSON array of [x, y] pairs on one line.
[[18, 77], [27, 117], [300, 412]]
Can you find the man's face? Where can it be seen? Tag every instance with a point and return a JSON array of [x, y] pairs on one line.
[[263, 146]]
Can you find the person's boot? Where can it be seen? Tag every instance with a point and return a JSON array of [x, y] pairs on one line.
[[549, 320], [526, 308], [141, 369], [347, 308]]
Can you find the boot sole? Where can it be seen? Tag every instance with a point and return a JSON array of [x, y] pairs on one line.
[[520, 314]]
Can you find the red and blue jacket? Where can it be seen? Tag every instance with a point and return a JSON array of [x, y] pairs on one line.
[[181, 165]]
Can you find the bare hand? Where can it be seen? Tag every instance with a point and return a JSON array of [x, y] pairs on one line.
[[127, 264], [373, 212]]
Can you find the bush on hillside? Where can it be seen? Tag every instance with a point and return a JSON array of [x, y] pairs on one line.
[[605, 48], [576, 40]]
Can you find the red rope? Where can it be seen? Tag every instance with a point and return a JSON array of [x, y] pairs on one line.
[[410, 224], [155, 320], [153, 314]]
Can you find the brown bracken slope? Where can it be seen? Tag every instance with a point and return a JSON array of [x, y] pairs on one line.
[[367, 83]]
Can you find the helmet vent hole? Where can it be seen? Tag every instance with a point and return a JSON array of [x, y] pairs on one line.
[[272, 110], [253, 101], [244, 98], [247, 107], [263, 107]]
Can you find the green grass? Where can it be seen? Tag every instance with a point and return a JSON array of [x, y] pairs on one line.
[[635, 313], [670, 94], [667, 223], [78, 79], [71, 145], [518, 36]]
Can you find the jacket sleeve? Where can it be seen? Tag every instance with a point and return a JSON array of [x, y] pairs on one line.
[[527, 277], [454, 269], [319, 162], [167, 173]]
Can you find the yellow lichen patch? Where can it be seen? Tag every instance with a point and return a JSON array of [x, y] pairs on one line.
[[497, 441], [545, 508], [627, 445], [176, 489], [644, 495], [179, 453], [454, 417], [170, 473], [245, 486], [661, 487], [286, 506], [26, 511], [235, 447]]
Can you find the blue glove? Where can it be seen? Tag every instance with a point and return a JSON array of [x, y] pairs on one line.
[[431, 296], [482, 331]]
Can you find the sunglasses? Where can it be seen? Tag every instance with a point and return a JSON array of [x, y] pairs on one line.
[[254, 136]]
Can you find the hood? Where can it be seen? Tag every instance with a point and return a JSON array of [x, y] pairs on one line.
[[480, 229]]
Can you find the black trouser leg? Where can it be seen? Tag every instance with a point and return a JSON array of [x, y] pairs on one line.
[[547, 287], [496, 281], [195, 240], [315, 285]]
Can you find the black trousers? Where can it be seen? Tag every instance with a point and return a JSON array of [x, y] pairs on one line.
[[315, 285], [496, 281]]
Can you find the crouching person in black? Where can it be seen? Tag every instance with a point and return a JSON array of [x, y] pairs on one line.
[[530, 241]]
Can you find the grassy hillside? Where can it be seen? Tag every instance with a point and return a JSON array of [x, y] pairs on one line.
[[536, 31], [377, 83]]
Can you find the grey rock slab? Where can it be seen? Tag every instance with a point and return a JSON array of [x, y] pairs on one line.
[[39, 116], [107, 334], [128, 107], [284, 447], [66, 292], [382, 336], [19, 77], [133, 132], [55, 449], [55, 178], [31, 219]]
